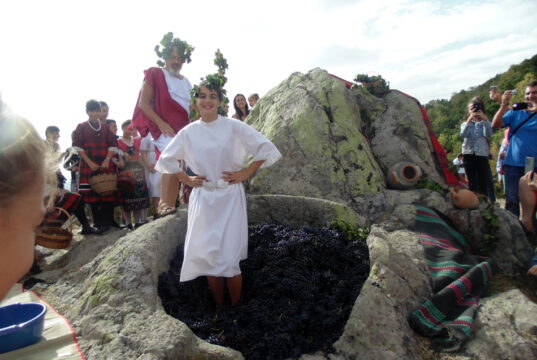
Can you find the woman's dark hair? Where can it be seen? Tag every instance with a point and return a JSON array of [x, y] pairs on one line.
[[477, 101], [212, 82], [237, 110], [93, 105], [102, 103]]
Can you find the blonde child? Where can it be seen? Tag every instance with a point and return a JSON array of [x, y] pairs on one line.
[[22, 189]]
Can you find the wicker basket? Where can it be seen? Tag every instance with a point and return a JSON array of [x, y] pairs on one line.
[[55, 237], [104, 184]]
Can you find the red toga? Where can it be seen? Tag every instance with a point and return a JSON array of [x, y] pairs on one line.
[[168, 109]]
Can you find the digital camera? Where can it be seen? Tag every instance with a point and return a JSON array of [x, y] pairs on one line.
[[476, 107], [520, 106], [514, 92]]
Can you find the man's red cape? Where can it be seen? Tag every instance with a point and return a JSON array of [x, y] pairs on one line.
[[167, 108]]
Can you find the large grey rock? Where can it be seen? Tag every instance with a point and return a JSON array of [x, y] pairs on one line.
[[505, 328], [511, 249], [315, 122], [299, 211], [113, 303], [400, 135], [398, 283]]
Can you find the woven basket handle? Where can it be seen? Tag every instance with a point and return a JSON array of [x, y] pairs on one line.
[[68, 216]]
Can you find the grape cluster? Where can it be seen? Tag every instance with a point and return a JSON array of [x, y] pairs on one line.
[[299, 287]]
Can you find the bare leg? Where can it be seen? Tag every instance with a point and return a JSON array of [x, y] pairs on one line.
[[169, 189], [217, 288], [527, 204], [155, 205], [234, 285]]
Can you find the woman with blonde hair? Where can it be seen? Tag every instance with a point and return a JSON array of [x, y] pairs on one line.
[[22, 189]]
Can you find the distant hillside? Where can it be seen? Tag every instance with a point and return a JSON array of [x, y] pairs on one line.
[[447, 115]]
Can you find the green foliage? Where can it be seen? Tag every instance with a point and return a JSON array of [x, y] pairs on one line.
[[168, 43], [431, 185], [375, 84], [490, 230], [216, 82], [351, 232]]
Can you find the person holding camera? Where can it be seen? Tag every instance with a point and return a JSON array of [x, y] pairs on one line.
[[475, 148], [521, 140]]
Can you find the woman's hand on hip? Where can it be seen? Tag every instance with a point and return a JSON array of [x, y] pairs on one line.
[[194, 181], [235, 177]]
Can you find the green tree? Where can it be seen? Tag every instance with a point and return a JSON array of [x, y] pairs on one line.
[[375, 84]]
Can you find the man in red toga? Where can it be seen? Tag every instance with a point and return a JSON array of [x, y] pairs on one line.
[[163, 107]]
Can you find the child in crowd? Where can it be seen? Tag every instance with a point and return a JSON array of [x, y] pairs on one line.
[[103, 116], [52, 135], [459, 163], [71, 162], [23, 174], [119, 161], [253, 99], [137, 200], [112, 126], [96, 146], [152, 176], [70, 201]]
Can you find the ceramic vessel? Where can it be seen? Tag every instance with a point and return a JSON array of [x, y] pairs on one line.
[[464, 199], [403, 175]]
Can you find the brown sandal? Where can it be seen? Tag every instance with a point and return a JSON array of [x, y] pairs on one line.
[[166, 210]]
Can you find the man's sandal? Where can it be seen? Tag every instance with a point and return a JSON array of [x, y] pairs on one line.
[[166, 210]]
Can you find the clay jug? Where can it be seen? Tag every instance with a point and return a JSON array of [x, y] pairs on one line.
[[403, 175], [464, 199]]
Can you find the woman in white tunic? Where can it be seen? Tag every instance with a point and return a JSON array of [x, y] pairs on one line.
[[216, 149]]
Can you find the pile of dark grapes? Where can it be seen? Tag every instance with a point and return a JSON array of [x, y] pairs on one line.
[[299, 287]]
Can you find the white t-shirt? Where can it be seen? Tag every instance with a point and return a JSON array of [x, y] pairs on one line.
[[179, 89]]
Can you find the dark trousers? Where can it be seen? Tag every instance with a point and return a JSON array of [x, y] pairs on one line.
[[103, 213], [477, 169]]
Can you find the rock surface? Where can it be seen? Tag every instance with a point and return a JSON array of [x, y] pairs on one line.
[[315, 122], [397, 136], [107, 286]]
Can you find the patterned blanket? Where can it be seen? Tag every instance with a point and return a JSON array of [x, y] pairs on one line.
[[458, 280]]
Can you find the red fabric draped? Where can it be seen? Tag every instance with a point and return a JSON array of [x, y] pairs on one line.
[[167, 108]]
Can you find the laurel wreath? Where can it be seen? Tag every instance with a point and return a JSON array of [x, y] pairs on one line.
[[168, 43], [216, 82]]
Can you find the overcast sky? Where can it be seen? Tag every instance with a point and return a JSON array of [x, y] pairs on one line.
[[56, 55]]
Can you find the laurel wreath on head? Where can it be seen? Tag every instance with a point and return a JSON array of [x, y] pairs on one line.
[[168, 43], [215, 81]]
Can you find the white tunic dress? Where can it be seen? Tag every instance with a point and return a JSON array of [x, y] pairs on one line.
[[217, 235], [153, 179]]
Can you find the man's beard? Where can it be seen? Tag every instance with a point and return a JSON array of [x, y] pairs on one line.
[[174, 72]]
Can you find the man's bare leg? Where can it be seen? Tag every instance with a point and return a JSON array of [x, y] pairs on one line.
[[169, 192]]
